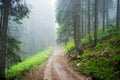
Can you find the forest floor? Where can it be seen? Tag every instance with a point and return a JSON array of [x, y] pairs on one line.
[[56, 68]]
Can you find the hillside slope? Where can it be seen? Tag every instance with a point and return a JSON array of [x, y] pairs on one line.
[[101, 62]]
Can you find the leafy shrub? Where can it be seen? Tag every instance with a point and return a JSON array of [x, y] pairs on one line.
[[85, 40], [69, 46], [99, 68]]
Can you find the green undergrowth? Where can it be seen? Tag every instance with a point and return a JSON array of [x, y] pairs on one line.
[[70, 45], [39, 58], [101, 62]]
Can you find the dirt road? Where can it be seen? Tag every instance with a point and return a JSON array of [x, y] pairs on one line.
[[56, 68]]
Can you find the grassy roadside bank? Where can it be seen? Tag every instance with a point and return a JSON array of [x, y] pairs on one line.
[[39, 58], [102, 61]]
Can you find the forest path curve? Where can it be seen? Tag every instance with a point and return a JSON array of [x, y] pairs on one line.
[[56, 68]]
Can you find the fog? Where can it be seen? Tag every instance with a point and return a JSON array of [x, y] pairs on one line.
[[39, 30]]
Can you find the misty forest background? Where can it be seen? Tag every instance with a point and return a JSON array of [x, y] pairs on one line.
[[28, 27], [28, 32]]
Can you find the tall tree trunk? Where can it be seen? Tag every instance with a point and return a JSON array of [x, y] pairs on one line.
[[6, 5], [96, 22], [1, 22], [92, 18], [1, 16], [85, 21], [107, 12], [89, 29], [103, 29], [82, 20], [74, 24], [118, 14], [77, 28], [82, 25]]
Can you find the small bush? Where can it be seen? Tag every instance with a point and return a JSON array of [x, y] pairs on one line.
[[99, 68], [69, 46]]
